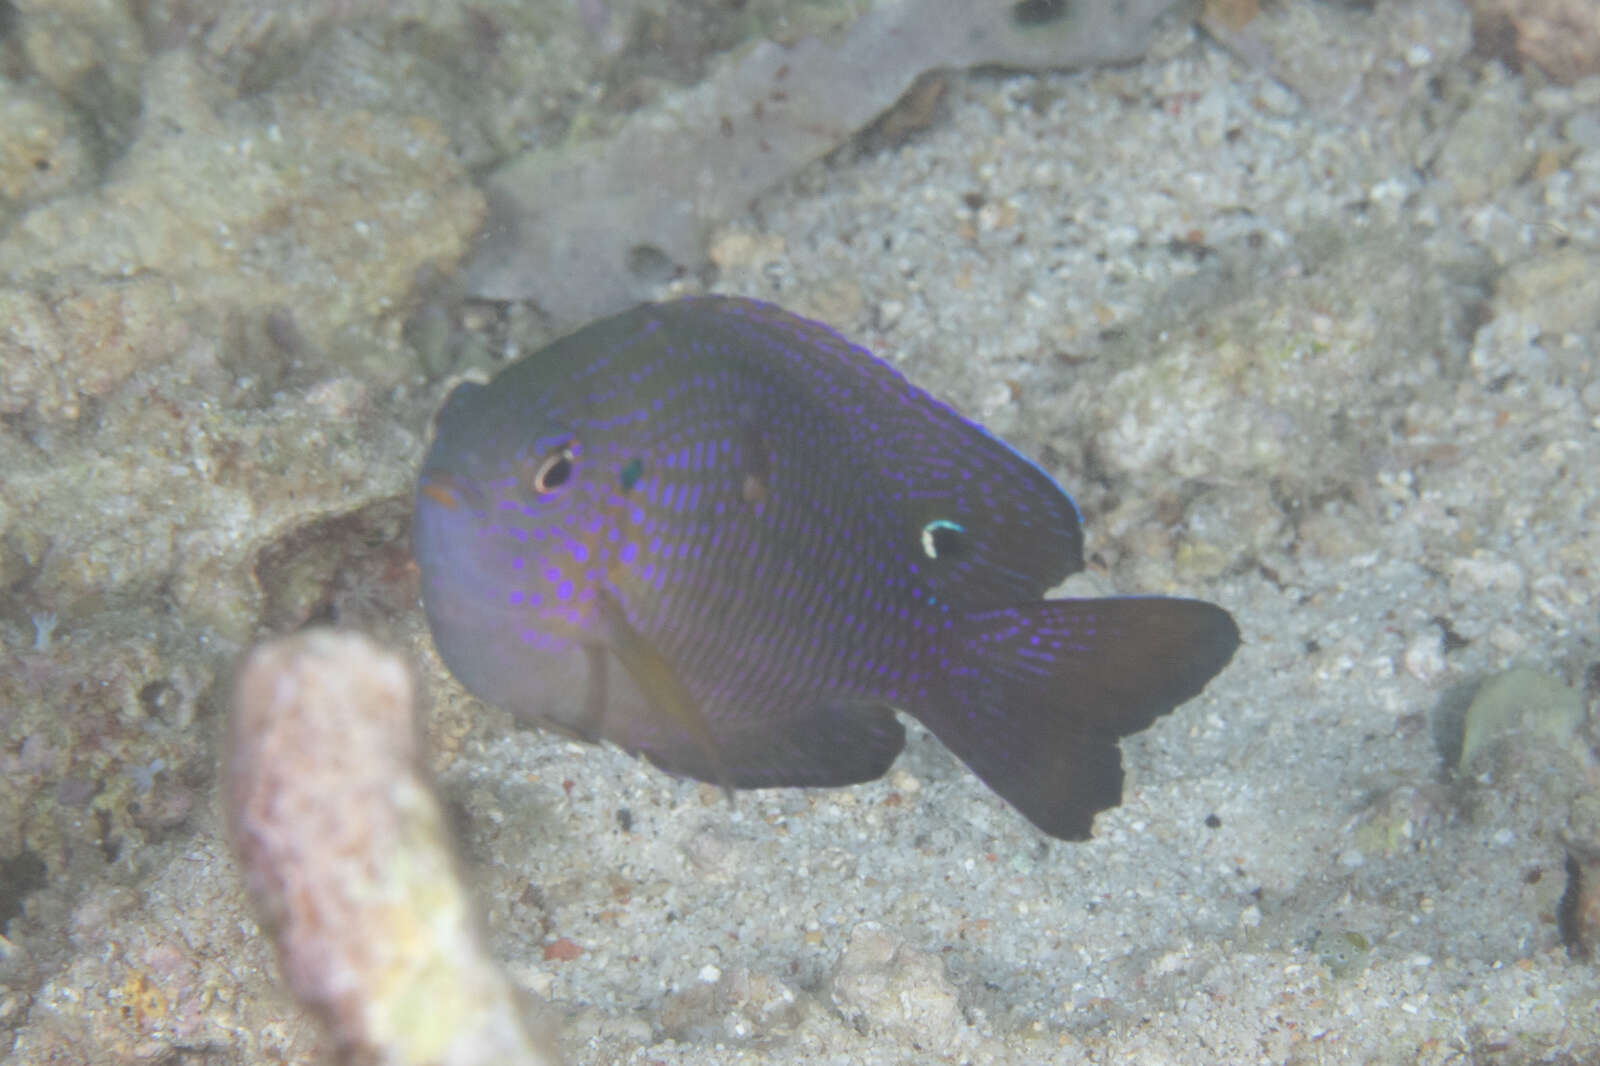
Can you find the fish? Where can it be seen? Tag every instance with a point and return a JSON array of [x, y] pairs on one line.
[[720, 536]]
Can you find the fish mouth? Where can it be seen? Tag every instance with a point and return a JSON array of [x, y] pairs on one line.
[[506, 650], [478, 575], [460, 577], [448, 490]]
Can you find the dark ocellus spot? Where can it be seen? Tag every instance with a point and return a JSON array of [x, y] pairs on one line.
[[1213, 822], [625, 819], [632, 471], [1027, 13]]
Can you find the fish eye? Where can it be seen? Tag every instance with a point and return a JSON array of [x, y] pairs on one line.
[[555, 471]]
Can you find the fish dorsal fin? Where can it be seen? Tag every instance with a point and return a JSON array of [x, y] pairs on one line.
[[982, 525]]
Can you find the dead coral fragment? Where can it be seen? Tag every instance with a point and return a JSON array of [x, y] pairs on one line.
[[345, 853], [1522, 705], [579, 231]]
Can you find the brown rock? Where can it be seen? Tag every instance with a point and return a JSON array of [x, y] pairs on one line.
[[61, 345], [1560, 37]]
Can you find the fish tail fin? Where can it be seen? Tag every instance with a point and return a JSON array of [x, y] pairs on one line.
[[1034, 698]]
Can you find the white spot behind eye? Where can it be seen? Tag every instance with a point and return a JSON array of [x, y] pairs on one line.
[[931, 531]]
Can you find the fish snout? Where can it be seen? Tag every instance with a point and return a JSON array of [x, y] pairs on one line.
[[445, 489]]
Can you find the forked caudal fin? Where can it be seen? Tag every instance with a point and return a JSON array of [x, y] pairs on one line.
[[1035, 697]]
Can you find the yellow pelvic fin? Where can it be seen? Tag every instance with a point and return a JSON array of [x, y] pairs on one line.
[[659, 682]]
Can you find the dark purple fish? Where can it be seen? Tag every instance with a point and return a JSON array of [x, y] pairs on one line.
[[722, 537]]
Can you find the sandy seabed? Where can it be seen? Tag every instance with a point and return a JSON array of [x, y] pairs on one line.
[[1306, 317]]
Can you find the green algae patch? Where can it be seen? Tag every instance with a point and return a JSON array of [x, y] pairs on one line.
[[1522, 701]]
